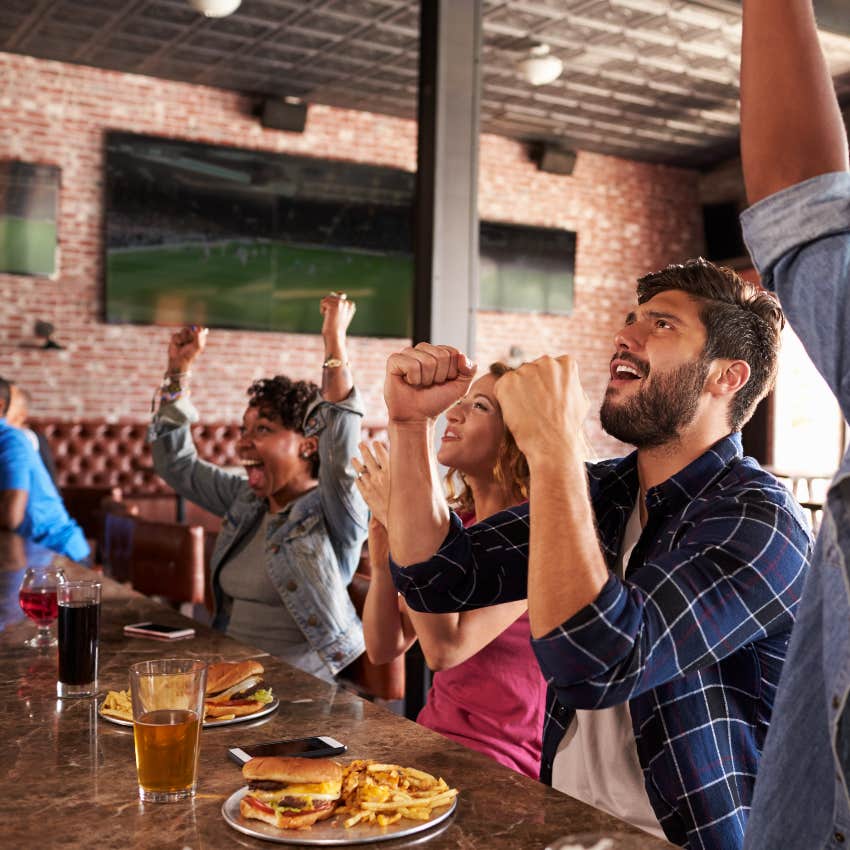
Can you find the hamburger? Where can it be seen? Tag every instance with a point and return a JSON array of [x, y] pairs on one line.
[[290, 793], [235, 688]]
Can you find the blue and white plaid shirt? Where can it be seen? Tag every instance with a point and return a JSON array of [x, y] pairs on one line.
[[694, 638]]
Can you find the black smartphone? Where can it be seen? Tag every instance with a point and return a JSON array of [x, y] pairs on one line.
[[316, 747]]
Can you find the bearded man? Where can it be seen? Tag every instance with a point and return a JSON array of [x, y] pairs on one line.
[[662, 586]]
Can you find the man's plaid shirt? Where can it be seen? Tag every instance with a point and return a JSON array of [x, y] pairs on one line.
[[694, 638]]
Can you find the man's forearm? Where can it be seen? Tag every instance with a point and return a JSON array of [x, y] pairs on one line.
[[13, 508], [418, 513], [791, 126], [566, 569]]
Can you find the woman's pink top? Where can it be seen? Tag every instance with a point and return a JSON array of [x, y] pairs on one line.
[[493, 702]]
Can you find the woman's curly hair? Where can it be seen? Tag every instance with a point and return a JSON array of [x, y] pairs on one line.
[[286, 401], [510, 470]]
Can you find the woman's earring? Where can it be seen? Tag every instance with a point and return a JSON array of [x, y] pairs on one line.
[[305, 455]]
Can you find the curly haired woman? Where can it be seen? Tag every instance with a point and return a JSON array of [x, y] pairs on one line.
[[292, 532]]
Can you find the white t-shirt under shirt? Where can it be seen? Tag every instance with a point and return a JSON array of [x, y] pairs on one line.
[[597, 760]]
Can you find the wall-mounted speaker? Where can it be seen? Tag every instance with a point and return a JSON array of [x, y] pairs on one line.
[[556, 160], [280, 115]]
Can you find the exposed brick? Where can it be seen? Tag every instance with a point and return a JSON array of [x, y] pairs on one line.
[[630, 218]]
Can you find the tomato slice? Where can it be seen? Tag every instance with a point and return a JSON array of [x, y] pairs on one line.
[[258, 804]]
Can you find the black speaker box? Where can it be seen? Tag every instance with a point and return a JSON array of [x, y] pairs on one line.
[[556, 160], [280, 115]]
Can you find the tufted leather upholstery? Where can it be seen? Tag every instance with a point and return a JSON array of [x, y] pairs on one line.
[[96, 453]]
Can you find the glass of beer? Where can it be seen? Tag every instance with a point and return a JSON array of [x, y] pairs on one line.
[[168, 711], [79, 637]]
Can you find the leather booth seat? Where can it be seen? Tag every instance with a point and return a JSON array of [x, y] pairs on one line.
[[93, 455]]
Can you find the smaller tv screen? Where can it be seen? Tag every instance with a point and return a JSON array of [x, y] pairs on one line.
[[232, 238], [29, 199]]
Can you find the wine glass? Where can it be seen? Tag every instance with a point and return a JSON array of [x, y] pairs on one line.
[[37, 598]]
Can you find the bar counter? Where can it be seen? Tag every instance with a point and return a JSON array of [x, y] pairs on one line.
[[69, 778]]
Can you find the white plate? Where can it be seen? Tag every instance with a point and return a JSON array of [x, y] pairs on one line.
[[327, 832], [208, 724]]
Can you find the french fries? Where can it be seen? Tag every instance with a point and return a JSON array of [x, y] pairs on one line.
[[382, 794], [117, 704]]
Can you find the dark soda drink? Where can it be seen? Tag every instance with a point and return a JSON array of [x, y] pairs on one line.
[[39, 605], [79, 623]]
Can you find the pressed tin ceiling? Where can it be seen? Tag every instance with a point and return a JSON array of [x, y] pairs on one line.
[[653, 80]]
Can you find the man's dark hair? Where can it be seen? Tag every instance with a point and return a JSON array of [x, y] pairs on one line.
[[285, 401], [5, 395], [742, 322]]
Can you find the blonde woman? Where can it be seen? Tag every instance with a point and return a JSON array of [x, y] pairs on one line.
[[488, 692]]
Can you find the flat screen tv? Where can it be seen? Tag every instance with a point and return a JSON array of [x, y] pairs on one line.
[[29, 201], [233, 238]]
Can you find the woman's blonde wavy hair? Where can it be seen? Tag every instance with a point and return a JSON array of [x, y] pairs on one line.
[[510, 470]]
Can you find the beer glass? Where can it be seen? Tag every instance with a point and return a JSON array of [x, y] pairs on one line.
[[168, 712], [79, 637]]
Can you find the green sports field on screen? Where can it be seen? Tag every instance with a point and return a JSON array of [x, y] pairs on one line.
[[251, 284], [27, 245]]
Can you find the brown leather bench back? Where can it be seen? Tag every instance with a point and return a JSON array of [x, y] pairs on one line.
[[96, 453]]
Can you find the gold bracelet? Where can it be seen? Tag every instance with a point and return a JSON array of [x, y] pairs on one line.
[[334, 363]]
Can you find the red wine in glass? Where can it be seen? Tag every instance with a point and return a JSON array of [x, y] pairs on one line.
[[39, 605], [37, 598]]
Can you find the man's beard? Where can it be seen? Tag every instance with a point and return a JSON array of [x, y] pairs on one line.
[[656, 414]]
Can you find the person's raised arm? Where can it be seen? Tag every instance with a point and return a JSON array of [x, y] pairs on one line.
[[386, 630], [390, 627], [337, 312], [420, 384], [544, 405], [174, 455], [791, 126], [183, 349]]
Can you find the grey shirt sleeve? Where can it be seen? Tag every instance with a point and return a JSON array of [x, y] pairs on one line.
[[799, 240]]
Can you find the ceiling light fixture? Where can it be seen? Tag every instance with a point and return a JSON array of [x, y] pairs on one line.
[[215, 8], [539, 67]]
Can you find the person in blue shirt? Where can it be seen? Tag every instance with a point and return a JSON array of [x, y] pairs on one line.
[[661, 586], [29, 501], [795, 158]]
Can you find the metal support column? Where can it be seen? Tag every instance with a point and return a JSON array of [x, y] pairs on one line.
[[445, 293]]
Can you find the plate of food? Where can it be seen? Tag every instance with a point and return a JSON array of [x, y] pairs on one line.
[[236, 693], [320, 802]]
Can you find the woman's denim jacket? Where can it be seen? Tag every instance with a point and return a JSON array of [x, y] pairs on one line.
[[313, 545]]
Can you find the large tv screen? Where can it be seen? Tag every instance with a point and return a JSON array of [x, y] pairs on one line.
[[232, 238]]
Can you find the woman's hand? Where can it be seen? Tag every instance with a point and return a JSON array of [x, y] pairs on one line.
[[184, 347], [338, 311], [373, 479]]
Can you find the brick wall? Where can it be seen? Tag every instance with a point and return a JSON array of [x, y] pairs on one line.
[[630, 218]]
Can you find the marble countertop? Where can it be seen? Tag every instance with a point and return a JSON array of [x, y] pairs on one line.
[[69, 778]]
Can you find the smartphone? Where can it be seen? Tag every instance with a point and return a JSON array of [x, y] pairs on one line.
[[310, 748], [158, 632]]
